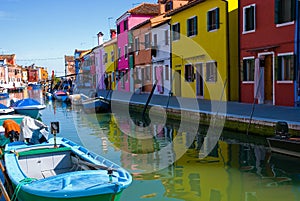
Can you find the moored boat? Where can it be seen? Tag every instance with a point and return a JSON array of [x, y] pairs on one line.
[[96, 104], [5, 110], [282, 142], [63, 170], [60, 95], [28, 106], [3, 93]]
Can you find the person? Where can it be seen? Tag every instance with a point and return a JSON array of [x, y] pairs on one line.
[[12, 130]]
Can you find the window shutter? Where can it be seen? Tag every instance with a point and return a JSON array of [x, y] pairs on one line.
[[244, 72], [195, 25], [188, 27], [208, 21], [276, 10], [217, 18], [293, 7], [278, 72]]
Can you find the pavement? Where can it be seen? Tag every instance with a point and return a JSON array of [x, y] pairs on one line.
[[258, 112]]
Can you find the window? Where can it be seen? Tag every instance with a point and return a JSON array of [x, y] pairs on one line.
[[155, 40], [112, 55], [284, 11], [125, 25], [176, 31], [192, 26], [136, 44], [147, 41], [166, 37], [167, 72], [169, 6], [126, 51], [148, 73], [285, 67], [104, 58], [213, 21], [249, 18], [189, 73], [211, 71], [119, 53], [248, 69], [118, 29]]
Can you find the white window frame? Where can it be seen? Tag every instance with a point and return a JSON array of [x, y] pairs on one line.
[[247, 58], [244, 18], [282, 55]]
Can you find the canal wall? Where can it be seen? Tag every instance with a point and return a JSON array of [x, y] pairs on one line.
[[242, 122]]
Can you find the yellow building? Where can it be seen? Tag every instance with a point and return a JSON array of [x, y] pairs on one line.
[[110, 59], [200, 51]]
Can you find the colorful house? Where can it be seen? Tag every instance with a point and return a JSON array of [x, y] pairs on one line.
[[124, 23], [70, 66], [200, 51], [269, 52], [109, 60]]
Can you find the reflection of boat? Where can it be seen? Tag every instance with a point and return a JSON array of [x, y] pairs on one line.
[[282, 142], [28, 106], [34, 85], [66, 172], [60, 95], [289, 146], [96, 104], [3, 93], [5, 110]]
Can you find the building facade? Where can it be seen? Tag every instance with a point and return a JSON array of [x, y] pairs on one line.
[[268, 52]]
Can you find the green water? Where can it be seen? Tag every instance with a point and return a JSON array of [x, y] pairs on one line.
[[167, 160]]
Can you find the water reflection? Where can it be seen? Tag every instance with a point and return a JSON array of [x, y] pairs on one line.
[[237, 169], [234, 170]]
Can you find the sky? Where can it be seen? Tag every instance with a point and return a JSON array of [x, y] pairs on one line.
[[42, 32]]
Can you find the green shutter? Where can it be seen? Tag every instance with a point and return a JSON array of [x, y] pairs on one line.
[[293, 7], [208, 21], [188, 27], [278, 68], [276, 10], [217, 18], [195, 25], [244, 71]]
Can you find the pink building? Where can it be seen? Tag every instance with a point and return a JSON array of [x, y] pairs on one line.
[[128, 20]]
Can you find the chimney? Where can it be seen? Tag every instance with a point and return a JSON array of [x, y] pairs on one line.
[[113, 33], [100, 38]]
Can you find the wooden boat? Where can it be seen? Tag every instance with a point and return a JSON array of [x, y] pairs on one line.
[[96, 104], [282, 142], [67, 171], [5, 110], [28, 106], [60, 95]]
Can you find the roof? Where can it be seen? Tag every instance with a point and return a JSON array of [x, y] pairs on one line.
[[69, 58], [145, 9], [158, 20], [7, 56], [186, 6]]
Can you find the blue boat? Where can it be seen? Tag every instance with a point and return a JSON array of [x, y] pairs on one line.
[[34, 85], [67, 171], [28, 107], [3, 93], [5, 110], [97, 104], [60, 95]]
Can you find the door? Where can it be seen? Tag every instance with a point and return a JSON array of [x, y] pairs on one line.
[[199, 80], [177, 79], [268, 79]]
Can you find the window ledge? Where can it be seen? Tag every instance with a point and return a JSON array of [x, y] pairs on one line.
[[250, 31], [247, 82], [285, 24], [285, 82]]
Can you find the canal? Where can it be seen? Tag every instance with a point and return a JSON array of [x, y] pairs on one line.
[[170, 162]]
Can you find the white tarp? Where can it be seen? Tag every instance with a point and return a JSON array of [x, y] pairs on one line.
[[259, 82], [33, 129]]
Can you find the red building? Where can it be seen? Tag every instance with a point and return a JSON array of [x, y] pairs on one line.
[[267, 52]]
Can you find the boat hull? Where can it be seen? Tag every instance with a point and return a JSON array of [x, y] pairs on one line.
[[288, 146], [96, 105], [67, 171]]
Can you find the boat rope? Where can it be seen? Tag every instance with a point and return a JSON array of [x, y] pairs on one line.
[[18, 187]]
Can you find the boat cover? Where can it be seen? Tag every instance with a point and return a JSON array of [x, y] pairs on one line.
[[33, 129], [25, 102]]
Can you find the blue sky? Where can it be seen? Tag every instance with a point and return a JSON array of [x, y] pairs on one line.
[[43, 31]]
